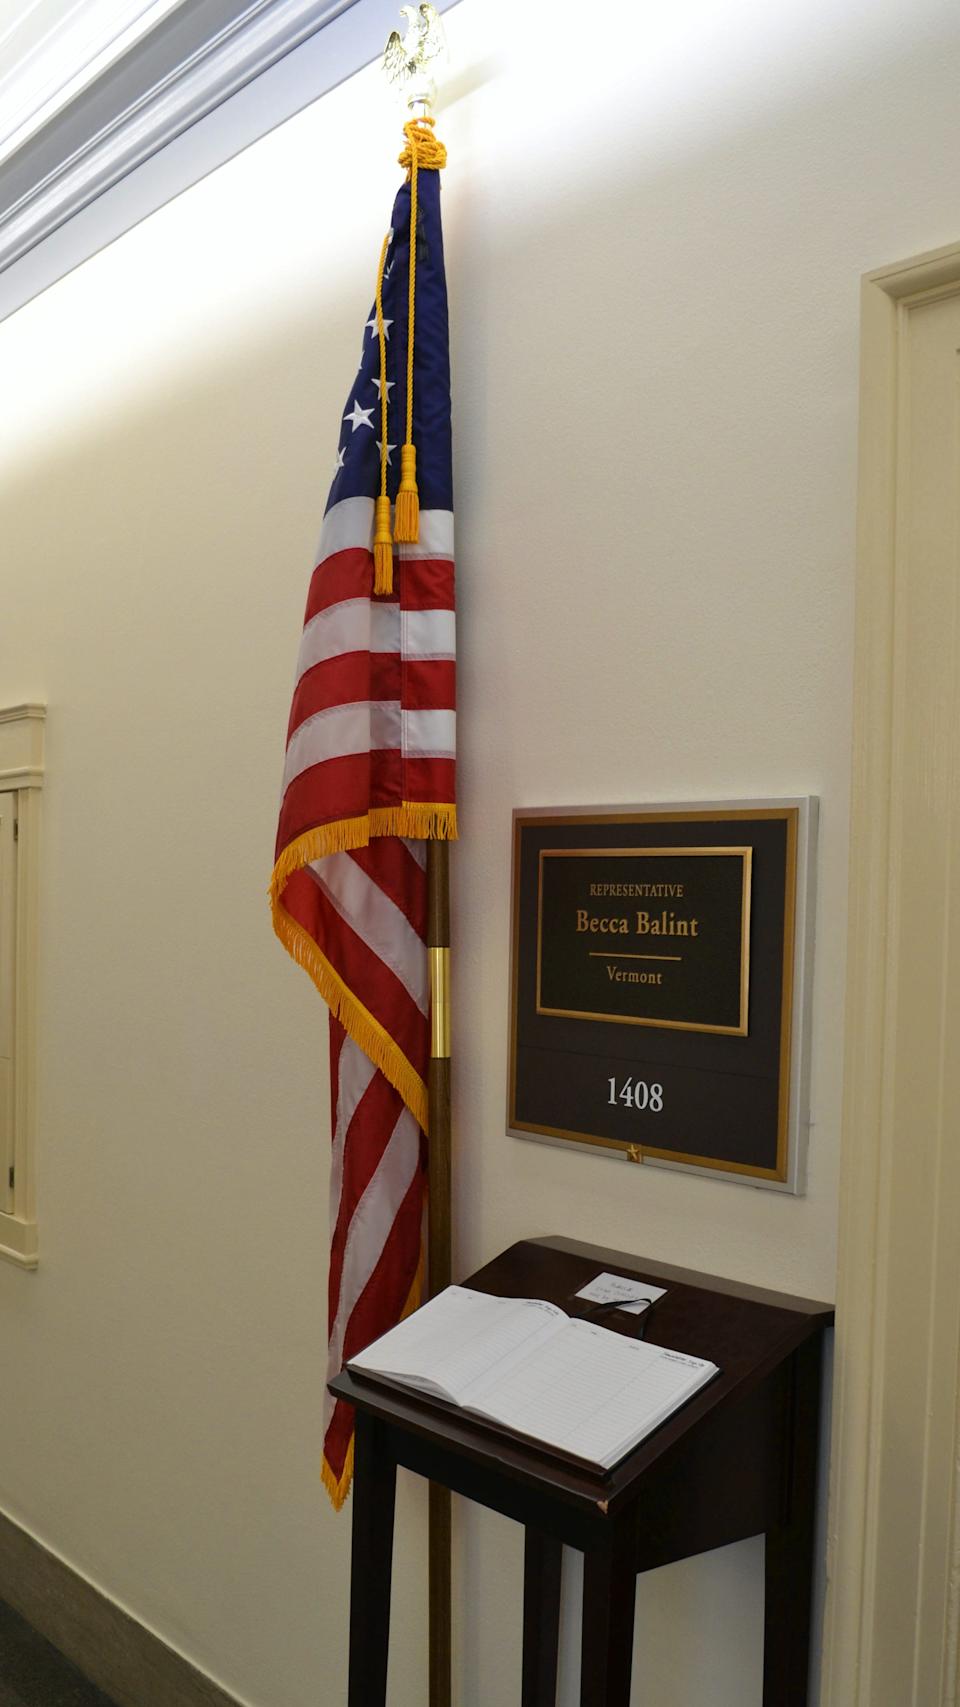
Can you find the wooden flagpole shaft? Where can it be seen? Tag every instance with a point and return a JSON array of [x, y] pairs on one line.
[[438, 948], [439, 1238]]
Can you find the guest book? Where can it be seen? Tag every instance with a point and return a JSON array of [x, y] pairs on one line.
[[526, 1365]]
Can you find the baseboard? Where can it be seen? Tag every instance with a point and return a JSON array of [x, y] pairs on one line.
[[130, 1664]]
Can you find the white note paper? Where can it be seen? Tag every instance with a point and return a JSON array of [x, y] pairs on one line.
[[630, 1295]]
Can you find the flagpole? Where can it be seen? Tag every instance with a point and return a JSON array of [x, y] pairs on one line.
[[405, 65], [439, 1238]]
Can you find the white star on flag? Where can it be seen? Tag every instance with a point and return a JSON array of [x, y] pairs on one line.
[[360, 417], [389, 383], [389, 449], [372, 323]]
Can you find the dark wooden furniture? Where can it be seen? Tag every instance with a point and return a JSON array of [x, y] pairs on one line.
[[739, 1459]]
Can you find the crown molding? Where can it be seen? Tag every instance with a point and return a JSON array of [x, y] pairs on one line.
[[210, 78], [194, 59]]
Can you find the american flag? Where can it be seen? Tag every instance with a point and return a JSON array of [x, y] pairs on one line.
[[369, 774]]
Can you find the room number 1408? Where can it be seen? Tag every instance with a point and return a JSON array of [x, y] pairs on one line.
[[636, 1093]]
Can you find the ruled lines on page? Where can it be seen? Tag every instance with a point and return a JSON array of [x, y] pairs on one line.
[[590, 1392]]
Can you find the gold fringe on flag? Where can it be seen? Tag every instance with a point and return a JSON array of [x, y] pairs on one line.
[[338, 1487], [421, 820], [417, 819], [357, 1021]]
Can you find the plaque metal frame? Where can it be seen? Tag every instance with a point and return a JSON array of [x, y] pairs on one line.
[[783, 1171]]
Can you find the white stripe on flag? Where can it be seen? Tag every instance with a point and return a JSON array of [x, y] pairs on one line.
[[370, 1227], [429, 734], [436, 536], [369, 726], [377, 920], [354, 625], [429, 634], [348, 526], [354, 1073]]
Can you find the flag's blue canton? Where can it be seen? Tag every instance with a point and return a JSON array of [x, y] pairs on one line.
[[358, 457]]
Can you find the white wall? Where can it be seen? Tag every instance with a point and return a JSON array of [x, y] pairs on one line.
[[655, 228]]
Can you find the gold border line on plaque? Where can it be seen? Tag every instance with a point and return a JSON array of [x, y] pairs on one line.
[[743, 853], [699, 815], [645, 1152], [789, 816]]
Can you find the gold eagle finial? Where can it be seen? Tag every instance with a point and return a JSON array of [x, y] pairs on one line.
[[405, 58]]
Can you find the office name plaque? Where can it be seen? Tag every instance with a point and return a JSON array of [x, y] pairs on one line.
[[645, 936], [660, 983]]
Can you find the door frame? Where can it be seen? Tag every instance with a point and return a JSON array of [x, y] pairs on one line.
[[878, 1222]]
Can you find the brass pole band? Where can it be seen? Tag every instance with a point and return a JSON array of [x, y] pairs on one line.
[[439, 1003]]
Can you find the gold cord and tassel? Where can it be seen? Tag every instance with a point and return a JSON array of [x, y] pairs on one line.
[[382, 540], [422, 151]]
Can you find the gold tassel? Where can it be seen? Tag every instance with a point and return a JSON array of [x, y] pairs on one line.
[[382, 549], [408, 498], [420, 138]]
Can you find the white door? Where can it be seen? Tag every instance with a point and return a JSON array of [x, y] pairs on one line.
[[894, 1559], [8, 965]]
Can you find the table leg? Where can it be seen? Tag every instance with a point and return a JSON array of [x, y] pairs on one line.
[[441, 1610], [789, 1547], [374, 1488], [609, 1595], [542, 1567]]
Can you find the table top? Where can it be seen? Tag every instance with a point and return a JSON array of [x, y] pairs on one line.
[[748, 1331]]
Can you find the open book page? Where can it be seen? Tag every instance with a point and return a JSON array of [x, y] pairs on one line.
[[460, 1337], [588, 1391]]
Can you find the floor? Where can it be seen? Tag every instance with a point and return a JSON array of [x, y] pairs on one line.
[[33, 1674]]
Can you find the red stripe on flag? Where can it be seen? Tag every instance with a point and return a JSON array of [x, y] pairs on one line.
[[428, 779], [393, 868], [429, 684], [343, 575], [427, 583], [395, 1273], [380, 1307], [345, 680], [373, 983], [340, 788], [337, 1035], [367, 1136]]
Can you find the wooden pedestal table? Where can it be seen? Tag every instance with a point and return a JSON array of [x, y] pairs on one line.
[[739, 1459]]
